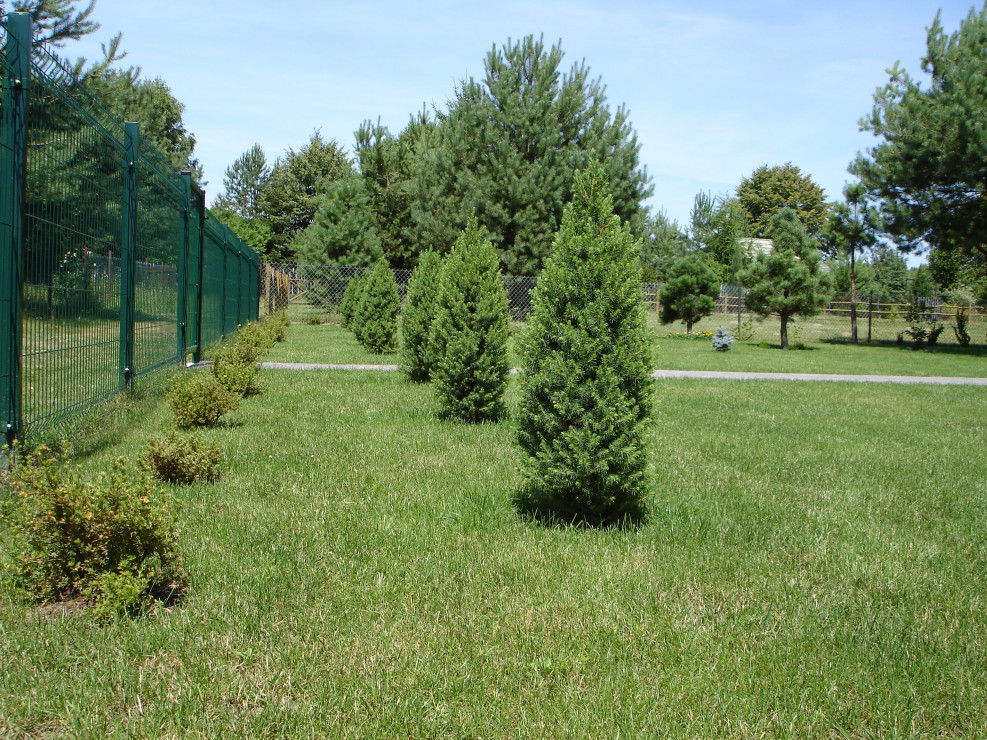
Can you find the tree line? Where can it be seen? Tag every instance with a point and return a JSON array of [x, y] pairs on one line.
[[506, 146]]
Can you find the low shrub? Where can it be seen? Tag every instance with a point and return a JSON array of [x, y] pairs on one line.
[[180, 458], [109, 540], [252, 341], [199, 400], [237, 376], [962, 319], [745, 332], [277, 325], [314, 320]]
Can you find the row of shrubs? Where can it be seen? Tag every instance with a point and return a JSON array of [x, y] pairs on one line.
[[110, 539], [454, 324], [585, 396]]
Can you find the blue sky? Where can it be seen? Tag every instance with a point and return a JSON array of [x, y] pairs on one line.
[[714, 89]]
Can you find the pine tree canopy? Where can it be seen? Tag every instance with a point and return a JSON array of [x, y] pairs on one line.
[[290, 198], [929, 169], [691, 291], [55, 21], [787, 281], [507, 149]]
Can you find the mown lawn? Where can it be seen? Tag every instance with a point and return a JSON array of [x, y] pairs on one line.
[[813, 565], [332, 344]]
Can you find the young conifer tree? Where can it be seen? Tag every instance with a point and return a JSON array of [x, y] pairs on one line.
[[470, 331], [379, 307], [351, 300], [586, 390], [417, 317]]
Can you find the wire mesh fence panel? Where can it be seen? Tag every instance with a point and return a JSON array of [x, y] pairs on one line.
[[71, 245], [102, 276], [317, 290], [159, 246], [213, 285]]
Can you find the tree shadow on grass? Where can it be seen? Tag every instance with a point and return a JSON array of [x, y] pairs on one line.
[[892, 344], [537, 508]]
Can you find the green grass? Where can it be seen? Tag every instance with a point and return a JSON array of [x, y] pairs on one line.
[[331, 344], [813, 565]]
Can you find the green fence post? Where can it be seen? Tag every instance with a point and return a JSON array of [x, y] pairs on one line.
[[199, 213], [183, 260], [128, 254], [13, 170], [222, 310]]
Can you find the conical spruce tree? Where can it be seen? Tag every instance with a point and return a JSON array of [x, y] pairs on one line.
[[351, 300], [379, 307], [586, 390], [470, 331], [417, 316]]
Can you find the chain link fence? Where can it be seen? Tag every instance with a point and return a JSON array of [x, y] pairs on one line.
[[111, 265], [307, 291]]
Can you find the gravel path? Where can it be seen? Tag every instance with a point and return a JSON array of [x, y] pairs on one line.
[[703, 374]]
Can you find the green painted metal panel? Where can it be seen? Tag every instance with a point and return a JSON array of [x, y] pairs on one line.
[[13, 159], [128, 258]]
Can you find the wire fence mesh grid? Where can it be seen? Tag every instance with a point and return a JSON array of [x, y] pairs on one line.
[[307, 291], [101, 277]]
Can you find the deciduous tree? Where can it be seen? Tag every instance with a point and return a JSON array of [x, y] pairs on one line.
[[770, 189]]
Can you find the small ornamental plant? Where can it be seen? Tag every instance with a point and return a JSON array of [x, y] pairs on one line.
[[108, 539], [420, 306], [180, 458], [470, 331], [377, 316], [722, 340], [199, 400]]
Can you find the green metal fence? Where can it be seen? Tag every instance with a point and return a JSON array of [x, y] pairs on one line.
[[110, 265]]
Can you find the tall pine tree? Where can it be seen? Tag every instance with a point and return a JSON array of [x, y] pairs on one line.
[[586, 390], [507, 149]]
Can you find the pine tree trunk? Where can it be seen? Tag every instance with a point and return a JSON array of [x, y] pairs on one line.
[[784, 331]]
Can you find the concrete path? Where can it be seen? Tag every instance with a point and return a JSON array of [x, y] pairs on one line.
[[701, 374]]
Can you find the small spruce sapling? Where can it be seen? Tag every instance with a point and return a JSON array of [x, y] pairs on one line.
[[379, 308], [722, 340], [470, 331], [586, 389], [417, 316]]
